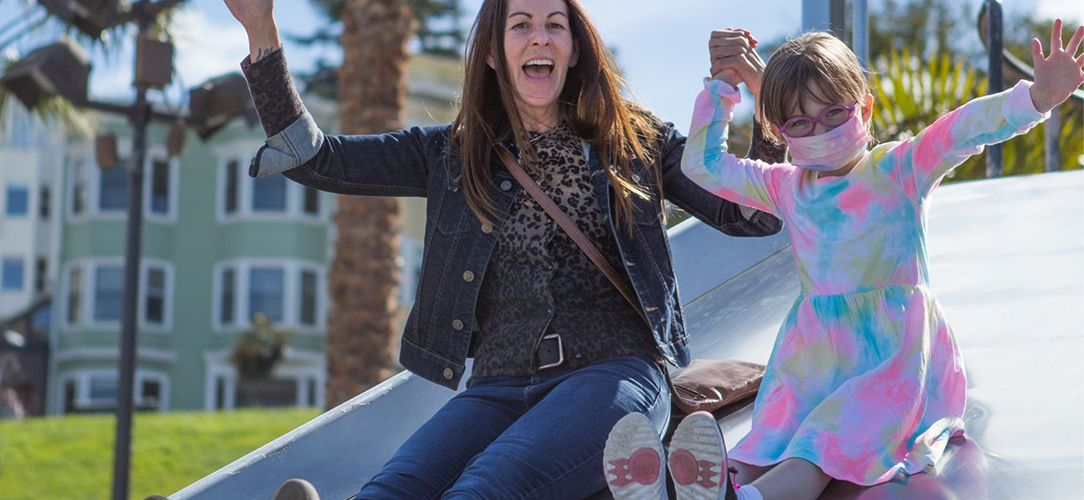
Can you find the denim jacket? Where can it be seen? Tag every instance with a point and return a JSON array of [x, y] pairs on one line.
[[421, 162]]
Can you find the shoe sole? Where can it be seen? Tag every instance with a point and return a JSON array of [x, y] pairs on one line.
[[633, 460], [697, 458], [297, 489]]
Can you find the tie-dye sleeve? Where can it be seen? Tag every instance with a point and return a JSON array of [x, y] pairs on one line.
[[922, 161], [707, 162]]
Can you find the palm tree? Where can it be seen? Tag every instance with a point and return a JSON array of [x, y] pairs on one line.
[[364, 276]]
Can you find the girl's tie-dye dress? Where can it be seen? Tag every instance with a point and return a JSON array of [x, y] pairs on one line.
[[865, 379]]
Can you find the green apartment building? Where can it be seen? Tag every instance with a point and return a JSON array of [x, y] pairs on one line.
[[218, 247]]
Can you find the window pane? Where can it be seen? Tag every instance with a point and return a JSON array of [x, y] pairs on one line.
[[108, 293], [156, 296], [312, 201], [39, 275], [308, 298], [11, 274], [269, 193], [160, 186], [113, 192], [75, 295], [231, 187], [228, 287], [17, 199], [78, 188], [152, 392], [69, 397], [265, 292], [103, 389], [44, 202]]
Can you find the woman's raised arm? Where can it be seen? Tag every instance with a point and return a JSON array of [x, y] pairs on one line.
[[392, 164]]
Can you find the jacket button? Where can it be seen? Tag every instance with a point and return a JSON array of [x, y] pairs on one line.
[[457, 324], [448, 374], [468, 276], [636, 177], [487, 228], [506, 185]]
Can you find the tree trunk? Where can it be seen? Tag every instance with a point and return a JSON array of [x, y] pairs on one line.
[[363, 281]]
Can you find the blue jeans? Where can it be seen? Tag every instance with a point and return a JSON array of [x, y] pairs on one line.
[[537, 437]]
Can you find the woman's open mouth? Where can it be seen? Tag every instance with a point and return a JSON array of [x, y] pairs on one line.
[[538, 70]]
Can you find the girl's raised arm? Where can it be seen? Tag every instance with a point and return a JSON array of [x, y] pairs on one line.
[[924, 160], [707, 162]]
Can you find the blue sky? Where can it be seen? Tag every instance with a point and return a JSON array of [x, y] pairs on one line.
[[662, 49]]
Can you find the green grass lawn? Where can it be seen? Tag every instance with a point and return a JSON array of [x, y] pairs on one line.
[[71, 458]]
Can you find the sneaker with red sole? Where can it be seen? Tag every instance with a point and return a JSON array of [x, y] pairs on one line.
[[633, 460], [698, 460]]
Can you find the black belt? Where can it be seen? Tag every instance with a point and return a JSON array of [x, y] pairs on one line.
[[551, 352]]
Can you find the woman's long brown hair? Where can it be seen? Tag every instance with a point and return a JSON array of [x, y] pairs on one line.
[[591, 102]]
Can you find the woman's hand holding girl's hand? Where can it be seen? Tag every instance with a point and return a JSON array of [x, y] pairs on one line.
[[1057, 76], [734, 60]]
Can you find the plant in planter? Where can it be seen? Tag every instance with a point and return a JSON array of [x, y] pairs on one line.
[[259, 348]]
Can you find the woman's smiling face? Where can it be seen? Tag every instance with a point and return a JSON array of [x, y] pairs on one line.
[[538, 51]]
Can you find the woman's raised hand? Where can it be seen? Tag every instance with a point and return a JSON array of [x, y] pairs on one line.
[[1056, 76], [252, 14], [256, 16], [734, 60]]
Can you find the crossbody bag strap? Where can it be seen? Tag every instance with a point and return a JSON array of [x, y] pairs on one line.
[[566, 223]]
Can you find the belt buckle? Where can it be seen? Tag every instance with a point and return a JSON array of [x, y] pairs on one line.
[[560, 351]]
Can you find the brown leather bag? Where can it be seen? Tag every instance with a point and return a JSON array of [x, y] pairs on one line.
[[704, 385]]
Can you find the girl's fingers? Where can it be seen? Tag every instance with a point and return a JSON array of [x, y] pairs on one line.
[[1036, 52], [1055, 37], [1074, 43]]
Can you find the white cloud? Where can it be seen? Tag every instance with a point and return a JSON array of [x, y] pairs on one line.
[[206, 48]]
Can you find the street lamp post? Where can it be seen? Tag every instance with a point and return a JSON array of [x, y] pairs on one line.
[[61, 69]]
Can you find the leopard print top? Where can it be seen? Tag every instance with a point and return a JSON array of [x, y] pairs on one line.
[[539, 282]]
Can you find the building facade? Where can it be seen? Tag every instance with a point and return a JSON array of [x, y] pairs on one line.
[[218, 248]]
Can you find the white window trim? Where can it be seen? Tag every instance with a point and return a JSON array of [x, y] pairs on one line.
[[66, 287], [90, 268], [410, 250], [170, 217], [291, 316], [82, 380], [92, 185], [71, 167], [297, 365], [242, 152]]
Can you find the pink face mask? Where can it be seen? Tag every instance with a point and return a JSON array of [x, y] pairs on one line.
[[831, 150]]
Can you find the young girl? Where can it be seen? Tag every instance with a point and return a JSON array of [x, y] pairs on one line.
[[865, 380]]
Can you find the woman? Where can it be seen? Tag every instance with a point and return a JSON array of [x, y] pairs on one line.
[[559, 355]]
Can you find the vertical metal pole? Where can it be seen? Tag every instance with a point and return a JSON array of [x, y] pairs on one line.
[[1052, 134], [993, 36], [815, 15], [836, 19], [126, 378], [860, 32], [824, 15]]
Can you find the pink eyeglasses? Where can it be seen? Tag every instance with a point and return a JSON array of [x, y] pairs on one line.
[[832, 117]]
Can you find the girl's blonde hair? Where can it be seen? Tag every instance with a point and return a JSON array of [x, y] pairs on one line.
[[816, 64]]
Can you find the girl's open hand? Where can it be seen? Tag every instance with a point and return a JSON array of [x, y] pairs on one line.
[[1056, 76]]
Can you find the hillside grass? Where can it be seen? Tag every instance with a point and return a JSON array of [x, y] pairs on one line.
[[71, 457]]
